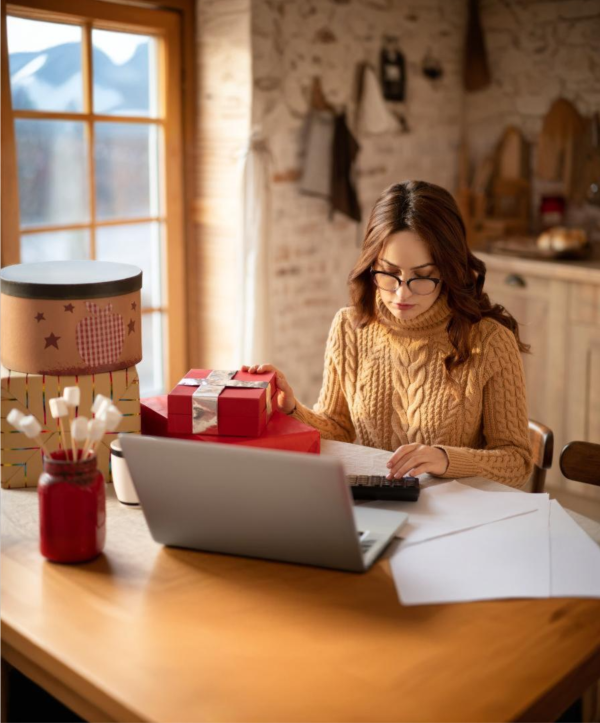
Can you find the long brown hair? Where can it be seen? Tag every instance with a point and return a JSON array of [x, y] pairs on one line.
[[430, 212]]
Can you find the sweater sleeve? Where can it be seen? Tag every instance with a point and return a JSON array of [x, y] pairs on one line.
[[506, 457], [331, 415]]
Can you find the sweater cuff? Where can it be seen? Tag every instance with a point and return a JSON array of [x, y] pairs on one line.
[[302, 413], [460, 462]]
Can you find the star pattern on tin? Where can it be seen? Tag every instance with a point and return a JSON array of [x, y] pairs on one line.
[[39, 317], [51, 341], [133, 305], [131, 326], [69, 307]]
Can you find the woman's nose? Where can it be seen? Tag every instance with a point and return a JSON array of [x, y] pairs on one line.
[[403, 292]]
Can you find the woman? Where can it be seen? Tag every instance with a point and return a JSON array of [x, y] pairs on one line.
[[422, 364]]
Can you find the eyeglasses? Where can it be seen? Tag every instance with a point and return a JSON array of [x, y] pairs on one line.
[[418, 285]]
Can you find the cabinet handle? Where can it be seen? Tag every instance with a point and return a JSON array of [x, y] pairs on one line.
[[515, 280]]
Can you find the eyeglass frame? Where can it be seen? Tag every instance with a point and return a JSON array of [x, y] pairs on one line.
[[373, 272]]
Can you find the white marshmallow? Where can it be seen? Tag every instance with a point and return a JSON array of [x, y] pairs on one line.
[[79, 429], [15, 418], [72, 396], [99, 402], [59, 408], [111, 417], [30, 426], [96, 429]]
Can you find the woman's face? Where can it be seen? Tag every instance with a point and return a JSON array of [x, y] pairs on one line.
[[407, 256]]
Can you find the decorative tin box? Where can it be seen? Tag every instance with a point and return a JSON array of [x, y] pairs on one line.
[[234, 404], [29, 393], [282, 432], [70, 317]]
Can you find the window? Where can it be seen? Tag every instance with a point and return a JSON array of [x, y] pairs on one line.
[[94, 105]]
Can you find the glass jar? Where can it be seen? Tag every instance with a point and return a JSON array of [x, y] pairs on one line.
[[72, 509]]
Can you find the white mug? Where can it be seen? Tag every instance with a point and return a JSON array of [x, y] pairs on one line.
[[122, 482]]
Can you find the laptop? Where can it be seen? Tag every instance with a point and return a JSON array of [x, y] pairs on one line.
[[253, 502]]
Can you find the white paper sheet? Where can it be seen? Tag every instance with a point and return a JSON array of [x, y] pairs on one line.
[[451, 506], [575, 568], [357, 459], [505, 559]]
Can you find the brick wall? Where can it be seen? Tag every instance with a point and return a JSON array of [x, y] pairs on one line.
[[311, 254]]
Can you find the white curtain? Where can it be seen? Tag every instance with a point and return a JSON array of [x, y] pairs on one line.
[[254, 322]]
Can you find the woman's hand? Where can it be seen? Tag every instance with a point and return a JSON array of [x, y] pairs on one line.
[[285, 399], [415, 459]]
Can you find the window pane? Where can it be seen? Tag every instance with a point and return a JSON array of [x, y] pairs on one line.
[[126, 170], [53, 172], [150, 369], [45, 65], [125, 76], [55, 246], [137, 244]]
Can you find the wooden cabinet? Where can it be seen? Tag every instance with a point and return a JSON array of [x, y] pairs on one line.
[[560, 318]]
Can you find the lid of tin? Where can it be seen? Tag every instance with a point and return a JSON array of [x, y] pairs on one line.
[[70, 279]]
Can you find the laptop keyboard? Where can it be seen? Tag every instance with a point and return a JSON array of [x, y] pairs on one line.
[[365, 542]]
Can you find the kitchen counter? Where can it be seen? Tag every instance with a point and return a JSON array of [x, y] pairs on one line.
[[584, 271]]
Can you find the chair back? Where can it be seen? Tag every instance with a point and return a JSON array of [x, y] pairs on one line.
[[580, 461], [542, 446]]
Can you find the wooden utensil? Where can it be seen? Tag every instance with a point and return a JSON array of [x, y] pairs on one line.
[[476, 70], [562, 129]]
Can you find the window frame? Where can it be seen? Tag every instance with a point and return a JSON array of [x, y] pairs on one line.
[[169, 26]]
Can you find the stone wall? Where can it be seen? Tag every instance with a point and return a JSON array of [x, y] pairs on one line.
[[293, 41]]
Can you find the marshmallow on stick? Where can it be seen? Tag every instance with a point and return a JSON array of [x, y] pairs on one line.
[[72, 396], [100, 403], [79, 433], [32, 429], [59, 409], [14, 417], [111, 417], [95, 432]]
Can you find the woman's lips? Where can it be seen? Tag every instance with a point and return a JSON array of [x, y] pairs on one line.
[[403, 306]]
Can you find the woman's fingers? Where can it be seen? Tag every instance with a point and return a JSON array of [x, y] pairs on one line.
[[258, 368], [406, 464], [401, 452], [285, 395], [419, 469]]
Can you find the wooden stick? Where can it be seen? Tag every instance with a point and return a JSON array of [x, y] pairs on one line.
[[39, 440], [63, 436], [73, 445]]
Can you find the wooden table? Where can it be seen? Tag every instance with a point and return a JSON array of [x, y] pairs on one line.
[[155, 634]]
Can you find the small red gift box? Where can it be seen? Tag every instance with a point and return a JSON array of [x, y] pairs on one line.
[[233, 404], [282, 432]]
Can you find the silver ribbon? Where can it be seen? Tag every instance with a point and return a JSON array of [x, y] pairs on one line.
[[205, 400]]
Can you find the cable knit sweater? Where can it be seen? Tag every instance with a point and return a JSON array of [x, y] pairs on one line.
[[385, 385]]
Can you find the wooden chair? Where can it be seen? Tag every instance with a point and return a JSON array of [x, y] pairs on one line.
[[580, 461], [542, 444]]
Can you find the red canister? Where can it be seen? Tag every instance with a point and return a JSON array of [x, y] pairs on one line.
[[72, 509]]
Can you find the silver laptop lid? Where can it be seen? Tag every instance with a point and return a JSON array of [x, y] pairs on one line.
[[245, 501]]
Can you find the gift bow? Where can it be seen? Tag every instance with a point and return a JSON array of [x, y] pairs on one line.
[[205, 400]]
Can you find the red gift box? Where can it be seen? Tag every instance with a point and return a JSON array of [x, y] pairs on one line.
[[283, 432], [218, 402]]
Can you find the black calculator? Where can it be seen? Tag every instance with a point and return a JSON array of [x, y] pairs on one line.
[[378, 487]]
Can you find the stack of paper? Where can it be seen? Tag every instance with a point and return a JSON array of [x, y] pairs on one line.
[[537, 553]]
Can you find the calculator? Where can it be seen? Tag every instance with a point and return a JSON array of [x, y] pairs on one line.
[[379, 487]]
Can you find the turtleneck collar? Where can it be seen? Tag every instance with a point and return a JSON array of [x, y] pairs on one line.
[[430, 322]]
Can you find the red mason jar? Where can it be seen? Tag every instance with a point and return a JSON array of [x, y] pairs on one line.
[[72, 509]]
